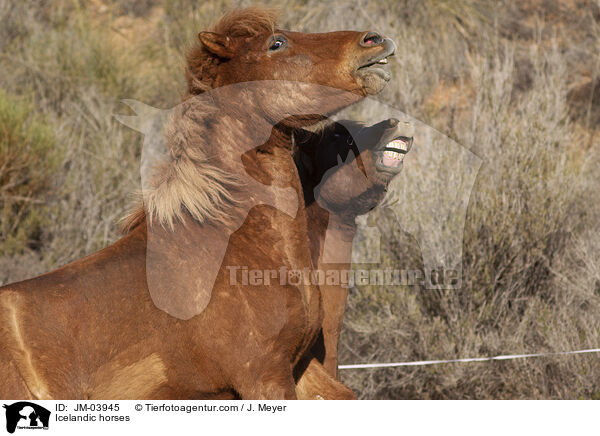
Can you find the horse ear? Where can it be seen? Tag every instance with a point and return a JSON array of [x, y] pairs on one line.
[[217, 44]]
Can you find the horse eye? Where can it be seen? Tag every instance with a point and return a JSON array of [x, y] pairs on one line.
[[277, 43]]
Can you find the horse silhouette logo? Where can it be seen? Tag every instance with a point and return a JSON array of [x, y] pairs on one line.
[[26, 415]]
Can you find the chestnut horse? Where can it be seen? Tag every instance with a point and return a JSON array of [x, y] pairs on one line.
[[345, 170], [92, 329]]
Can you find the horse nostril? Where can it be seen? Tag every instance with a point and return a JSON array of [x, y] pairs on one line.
[[393, 122], [370, 39]]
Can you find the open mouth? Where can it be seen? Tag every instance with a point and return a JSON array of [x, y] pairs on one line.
[[382, 61], [393, 153], [372, 64]]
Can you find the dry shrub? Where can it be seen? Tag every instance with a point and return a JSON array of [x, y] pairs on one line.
[[28, 161], [529, 210]]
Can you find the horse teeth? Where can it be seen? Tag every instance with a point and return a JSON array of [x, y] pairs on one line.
[[383, 61], [393, 155], [398, 144]]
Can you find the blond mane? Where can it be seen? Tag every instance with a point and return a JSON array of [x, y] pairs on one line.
[[187, 181]]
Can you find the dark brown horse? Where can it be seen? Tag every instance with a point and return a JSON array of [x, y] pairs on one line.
[[345, 170], [135, 320]]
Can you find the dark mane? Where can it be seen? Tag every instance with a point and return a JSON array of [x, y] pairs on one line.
[[201, 65]]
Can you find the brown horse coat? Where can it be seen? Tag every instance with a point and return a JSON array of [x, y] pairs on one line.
[[92, 330]]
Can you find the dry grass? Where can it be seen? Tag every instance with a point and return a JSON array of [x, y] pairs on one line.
[[28, 159], [515, 82]]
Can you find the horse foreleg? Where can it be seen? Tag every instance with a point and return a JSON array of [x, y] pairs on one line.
[[266, 382], [334, 305], [316, 383]]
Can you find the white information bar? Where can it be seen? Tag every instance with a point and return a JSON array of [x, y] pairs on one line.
[[297, 417]]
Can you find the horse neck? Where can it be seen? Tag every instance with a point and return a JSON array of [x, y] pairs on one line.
[[265, 165]]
